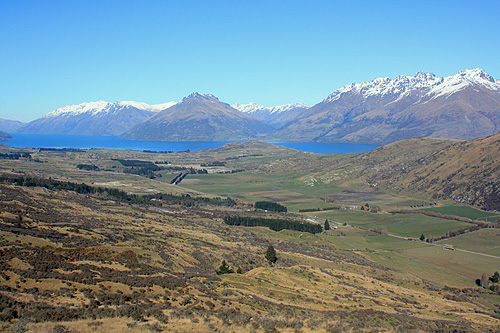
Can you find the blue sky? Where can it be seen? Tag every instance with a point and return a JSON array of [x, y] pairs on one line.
[[57, 53]]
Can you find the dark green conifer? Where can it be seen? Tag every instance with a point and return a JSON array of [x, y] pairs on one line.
[[271, 254], [327, 225]]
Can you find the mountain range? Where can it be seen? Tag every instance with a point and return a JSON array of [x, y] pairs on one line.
[[462, 106]]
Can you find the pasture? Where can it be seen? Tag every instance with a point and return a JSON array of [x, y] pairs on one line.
[[405, 225], [482, 241], [285, 189], [464, 211]]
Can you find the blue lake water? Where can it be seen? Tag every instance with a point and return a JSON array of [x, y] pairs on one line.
[[113, 142]]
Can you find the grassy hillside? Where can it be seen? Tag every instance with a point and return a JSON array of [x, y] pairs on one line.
[[434, 169]]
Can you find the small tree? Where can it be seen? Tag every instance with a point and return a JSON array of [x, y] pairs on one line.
[[271, 254], [495, 278], [327, 225], [224, 268], [422, 237]]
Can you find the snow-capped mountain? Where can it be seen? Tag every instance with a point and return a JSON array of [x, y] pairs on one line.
[[199, 117], [94, 118], [429, 83], [462, 106], [103, 107], [276, 116]]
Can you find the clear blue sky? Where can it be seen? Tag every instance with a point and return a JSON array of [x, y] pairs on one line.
[[57, 53]]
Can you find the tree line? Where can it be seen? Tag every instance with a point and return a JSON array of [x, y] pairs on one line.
[[273, 224], [14, 156]]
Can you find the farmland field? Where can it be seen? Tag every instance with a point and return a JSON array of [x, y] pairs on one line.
[[483, 241], [465, 211], [407, 225], [252, 187]]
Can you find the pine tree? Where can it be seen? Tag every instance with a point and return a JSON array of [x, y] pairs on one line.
[[224, 268], [271, 254], [327, 225]]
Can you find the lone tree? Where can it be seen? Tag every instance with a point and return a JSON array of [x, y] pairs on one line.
[[327, 225], [224, 268], [271, 254], [422, 237]]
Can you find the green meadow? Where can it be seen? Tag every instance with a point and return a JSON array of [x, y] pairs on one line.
[[406, 225], [465, 211]]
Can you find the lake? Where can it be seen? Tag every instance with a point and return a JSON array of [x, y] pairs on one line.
[[113, 142]]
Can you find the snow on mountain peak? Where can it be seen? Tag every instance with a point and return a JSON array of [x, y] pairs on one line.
[[427, 83], [197, 95], [249, 108], [94, 108], [252, 107], [457, 82], [145, 106], [86, 107], [476, 74]]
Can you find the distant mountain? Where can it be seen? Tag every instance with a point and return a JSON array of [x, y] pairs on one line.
[[463, 106], [4, 136], [199, 117], [10, 126], [276, 116], [94, 118]]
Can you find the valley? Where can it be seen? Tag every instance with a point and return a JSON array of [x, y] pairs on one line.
[[146, 251]]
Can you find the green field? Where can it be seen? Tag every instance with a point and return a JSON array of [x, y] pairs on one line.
[[484, 241], [287, 190], [407, 225], [472, 213], [456, 263]]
